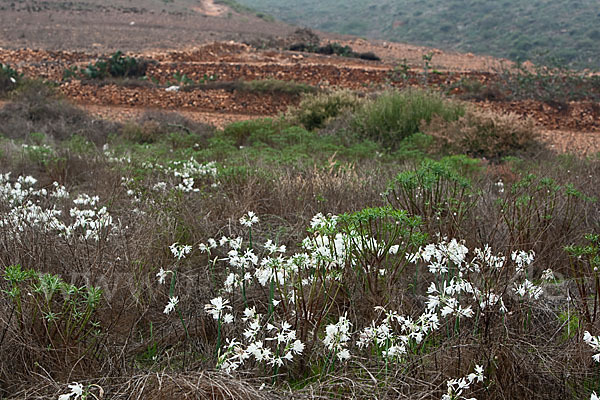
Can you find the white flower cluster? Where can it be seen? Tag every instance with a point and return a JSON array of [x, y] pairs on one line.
[[337, 337], [267, 343], [456, 387], [180, 251], [185, 174], [273, 266], [321, 222], [217, 308], [30, 208], [450, 257], [173, 301], [457, 291], [392, 336], [90, 221], [439, 255]]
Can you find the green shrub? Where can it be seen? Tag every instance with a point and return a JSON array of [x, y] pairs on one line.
[[115, 66], [241, 131], [394, 115], [314, 112], [438, 192], [53, 314]]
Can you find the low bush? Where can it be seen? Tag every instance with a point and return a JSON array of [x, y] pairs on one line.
[[393, 116], [116, 66], [315, 111], [333, 48], [484, 134]]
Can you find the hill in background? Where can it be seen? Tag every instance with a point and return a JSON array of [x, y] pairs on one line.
[[566, 29], [130, 25]]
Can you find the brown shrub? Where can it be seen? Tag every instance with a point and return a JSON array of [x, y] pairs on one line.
[[484, 134]]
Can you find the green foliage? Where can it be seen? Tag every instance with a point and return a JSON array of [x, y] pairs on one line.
[[42, 154], [237, 7], [571, 324], [394, 115], [242, 131], [182, 79], [57, 313], [537, 210], [115, 66], [438, 191], [315, 111], [80, 145], [379, 238], [333, 48], [414, 147]]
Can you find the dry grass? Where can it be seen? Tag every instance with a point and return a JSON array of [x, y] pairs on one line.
[[140, 353]]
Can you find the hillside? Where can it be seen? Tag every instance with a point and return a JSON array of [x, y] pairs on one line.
[[567, 29], [130, 25]]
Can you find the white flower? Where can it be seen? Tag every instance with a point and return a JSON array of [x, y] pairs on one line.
[[500, 186], [76, 390], [173, 301], [343, 355], [162, 275], [548, 275], [180, 251], [249, 313], [522, 259], [478, 375], [594, 343], [337, 337], [527, 288], [594, 396], [216, 307], [249, 219], [297, 347]]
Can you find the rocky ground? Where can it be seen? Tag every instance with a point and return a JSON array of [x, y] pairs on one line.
[[570, 126]]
